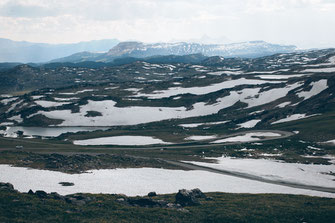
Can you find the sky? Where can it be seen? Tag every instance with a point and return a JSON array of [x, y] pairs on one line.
[[304, 23]]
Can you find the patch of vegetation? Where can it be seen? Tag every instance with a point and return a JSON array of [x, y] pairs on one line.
[[21, 207], [78, 163]]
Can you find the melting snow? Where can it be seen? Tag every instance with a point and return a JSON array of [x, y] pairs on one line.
[[317, 87], [308, 174], [7, 100], [279, 76], [48, 104], [292, 118], [113, 116], [200, 137], [249, 124], [283, 105], [204, 90], [320, 70], [139, 181], [193, 125], [120, 140], [248, 137]]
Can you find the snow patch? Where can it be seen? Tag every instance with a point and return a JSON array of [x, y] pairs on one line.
[[292, 118], [201, 137], [248, 137], [249, 124], [120, 140], [317, 87], [138, 181]]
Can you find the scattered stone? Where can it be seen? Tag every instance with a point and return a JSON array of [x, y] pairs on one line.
[[74, 201], [66, 184], [41, 194], [209, 199], [198, 193], [152, 194], [189, 197], [77, 199], [146, 202], [56, 196], [120, 199], [6, 186]]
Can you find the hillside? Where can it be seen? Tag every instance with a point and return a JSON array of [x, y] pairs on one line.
[[250, 49], [240, 93]]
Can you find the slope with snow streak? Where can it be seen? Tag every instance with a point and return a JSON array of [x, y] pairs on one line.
[[247, 137], [307, 174], [292, 118], [114, 116], [317, 88], [204, 90], [138, 181]]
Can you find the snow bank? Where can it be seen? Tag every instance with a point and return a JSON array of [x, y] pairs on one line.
[[201, 137], [48, 104], [248, 137], [203, 90], [309, 174], [292, 118], [140, 181], [249, 124], [317, 87], [120, 140]]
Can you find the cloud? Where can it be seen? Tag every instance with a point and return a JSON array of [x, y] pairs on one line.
[[13, 9], [301, 22]]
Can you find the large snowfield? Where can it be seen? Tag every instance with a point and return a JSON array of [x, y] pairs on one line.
[[309, 174], [138, 181], [120, 140]]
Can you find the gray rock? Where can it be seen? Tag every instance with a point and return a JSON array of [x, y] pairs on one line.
[[41, 194], [56, 196], [189, 197], [152, 194], [6, 186]]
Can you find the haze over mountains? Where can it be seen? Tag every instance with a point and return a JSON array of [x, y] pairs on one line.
[[110, 49], [25, 52]]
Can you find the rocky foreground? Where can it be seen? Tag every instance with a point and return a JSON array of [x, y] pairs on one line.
[[185, 206]]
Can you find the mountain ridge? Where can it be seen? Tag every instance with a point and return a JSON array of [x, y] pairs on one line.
[[135, 49]]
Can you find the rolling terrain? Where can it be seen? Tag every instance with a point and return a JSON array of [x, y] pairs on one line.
[[238, 125]]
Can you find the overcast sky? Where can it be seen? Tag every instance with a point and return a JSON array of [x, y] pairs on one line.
[[305, 23]]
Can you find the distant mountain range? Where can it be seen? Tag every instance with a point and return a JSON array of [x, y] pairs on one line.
[[25, 52], [250, 49], [111, 49]]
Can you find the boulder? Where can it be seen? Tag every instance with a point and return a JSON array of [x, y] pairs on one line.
[[189, 197], [6, 186], [198, 193], [152, 194], [77, 199], [41, 194], [146, 202], [56, 196], [74, 201]]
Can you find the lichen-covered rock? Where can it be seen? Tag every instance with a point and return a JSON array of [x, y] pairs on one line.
[[189, 197], [6, 186]]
